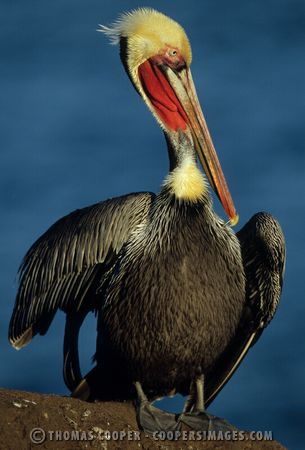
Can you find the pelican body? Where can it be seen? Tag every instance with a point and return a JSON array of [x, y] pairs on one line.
[[180, 298], [188, 313]]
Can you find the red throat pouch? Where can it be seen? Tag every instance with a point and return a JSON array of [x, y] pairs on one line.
[[162, 96]]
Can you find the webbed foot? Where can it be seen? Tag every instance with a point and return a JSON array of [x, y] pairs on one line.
[[202, 421], [195, 415], [150, 418]]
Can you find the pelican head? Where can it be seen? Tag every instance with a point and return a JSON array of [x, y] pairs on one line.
[[156, 53]]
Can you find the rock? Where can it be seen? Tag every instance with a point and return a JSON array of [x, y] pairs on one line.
[[38, 421]]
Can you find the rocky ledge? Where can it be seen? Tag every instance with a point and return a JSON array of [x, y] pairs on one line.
[[39, 421]]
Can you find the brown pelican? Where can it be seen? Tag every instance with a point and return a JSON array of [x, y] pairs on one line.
[[180, 298]]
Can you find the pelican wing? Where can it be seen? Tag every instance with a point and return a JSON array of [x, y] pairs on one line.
[[67, 266], [263, 252]]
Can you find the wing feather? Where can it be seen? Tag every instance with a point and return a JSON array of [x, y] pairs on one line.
[[263, 251], [65, 266]]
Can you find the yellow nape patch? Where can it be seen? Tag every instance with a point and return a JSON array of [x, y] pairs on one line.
[[186, 182]]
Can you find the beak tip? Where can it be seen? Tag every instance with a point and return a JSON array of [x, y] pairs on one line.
[[234, 220]]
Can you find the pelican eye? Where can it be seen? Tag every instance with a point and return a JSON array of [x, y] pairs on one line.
[[173, 58], [172, 53]]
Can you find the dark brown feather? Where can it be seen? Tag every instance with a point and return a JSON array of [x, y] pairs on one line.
[[263, 251], [66, 265]]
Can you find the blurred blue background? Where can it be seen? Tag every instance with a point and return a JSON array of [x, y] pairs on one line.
[[73, 132]]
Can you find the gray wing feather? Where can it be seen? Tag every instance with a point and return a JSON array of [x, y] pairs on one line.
[[263, 251], [67, 263]]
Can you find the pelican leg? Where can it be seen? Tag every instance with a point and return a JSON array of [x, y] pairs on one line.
[[195, 415], [150, 418], [191, 400]]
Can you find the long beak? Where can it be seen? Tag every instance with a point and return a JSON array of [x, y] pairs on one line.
[[183, 86]]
